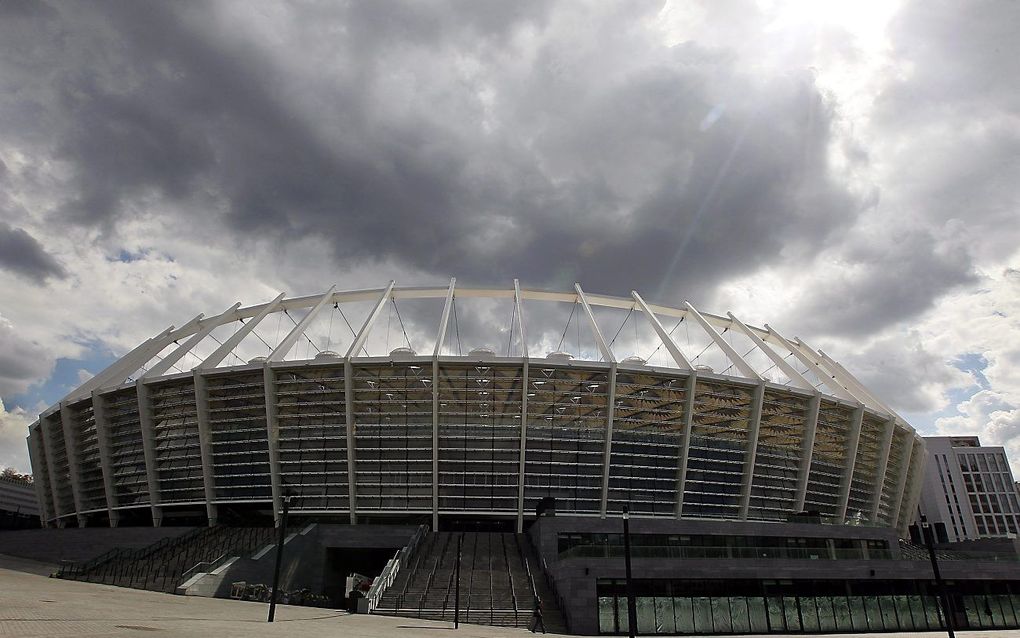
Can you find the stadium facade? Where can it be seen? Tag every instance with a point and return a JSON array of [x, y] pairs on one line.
[[221, 414]]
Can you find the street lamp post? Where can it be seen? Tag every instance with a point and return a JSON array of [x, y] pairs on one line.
[[279, 559], [947, 610], [631, 606], [456, 595]]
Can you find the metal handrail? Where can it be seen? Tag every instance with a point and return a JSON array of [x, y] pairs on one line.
[[510, 577], [210, 564], [414, 571], [432, 575]]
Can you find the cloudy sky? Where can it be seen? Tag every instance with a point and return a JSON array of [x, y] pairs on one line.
[[846, 172]]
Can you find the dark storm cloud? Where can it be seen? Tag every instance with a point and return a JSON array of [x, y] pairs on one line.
[[888, 279], [22, 362], [23, 255], [946, 124], [589, 153]]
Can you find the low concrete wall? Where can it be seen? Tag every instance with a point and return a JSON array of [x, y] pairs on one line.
[[576, 578]]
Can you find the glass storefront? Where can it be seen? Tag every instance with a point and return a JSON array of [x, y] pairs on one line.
[[805, 606]]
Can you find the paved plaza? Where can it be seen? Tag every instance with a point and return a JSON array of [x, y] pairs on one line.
[[33, 605]]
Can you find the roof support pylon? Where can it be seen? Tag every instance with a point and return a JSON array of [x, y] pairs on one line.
[[119, 369], [664, 337], [182, 350], [822, 374], [518, 305], [796, 378], [738, 361], [233, 340], [279, 353], [607, 353], [366, 328]]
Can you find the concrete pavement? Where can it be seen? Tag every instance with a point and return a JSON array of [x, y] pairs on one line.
[[34, 605]]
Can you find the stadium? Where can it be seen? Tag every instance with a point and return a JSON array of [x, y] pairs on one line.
[[231, 411], [461, 452]]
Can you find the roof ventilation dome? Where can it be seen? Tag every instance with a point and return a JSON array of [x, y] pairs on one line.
[[559, 355]]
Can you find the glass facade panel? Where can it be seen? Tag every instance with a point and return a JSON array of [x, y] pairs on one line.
[[808, 614], [739, 621], [665, 623], [607, 614], [808, 606], [876, 620], [240, 444], [683, 615], [841, 614], [393, 439], [703, 615], [176, 442], [776, 617], [645, 606], [718, 446], [888, 610], [780, 437], [826, 616], [721, 614], [791, 613], [758, 615], [917, 615], [648, 432], [903, 617], [312, 416], [565, 438]]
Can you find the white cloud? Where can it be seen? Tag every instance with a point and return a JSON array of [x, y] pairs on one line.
[[13, 435]]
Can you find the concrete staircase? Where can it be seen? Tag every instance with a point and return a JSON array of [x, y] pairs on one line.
[[499, 579], [160, 566]]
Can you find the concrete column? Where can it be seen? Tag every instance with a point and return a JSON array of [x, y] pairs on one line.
[[853, 441], [524, 447], [681, 474], [273, 440], [806, 452], [912, 491], [105, 456], [67, 427], [435, 443], [205, 445], [149, 450], [35, 455], [51, 468], [884, 447], [753, 427], [909, 449], [607, 449], [352, 452]]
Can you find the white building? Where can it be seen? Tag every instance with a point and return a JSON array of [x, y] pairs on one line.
[[969, 488], [17, 496]]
